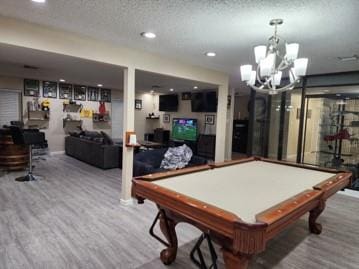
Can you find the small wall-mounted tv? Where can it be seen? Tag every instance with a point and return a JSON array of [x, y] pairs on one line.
[[204, 102], [184, 129], [168, 102]]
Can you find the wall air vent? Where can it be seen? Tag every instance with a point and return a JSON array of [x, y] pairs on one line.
[[30, 67], [349, 58]]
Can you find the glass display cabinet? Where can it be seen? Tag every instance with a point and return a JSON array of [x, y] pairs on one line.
[[334, 140], [324, 134]]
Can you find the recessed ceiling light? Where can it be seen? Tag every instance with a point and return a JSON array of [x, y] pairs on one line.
[[149, 35], [39, 1], [171, 90], [62, 80], [99, 85], [195, 87], [210, 53], [152, 91]]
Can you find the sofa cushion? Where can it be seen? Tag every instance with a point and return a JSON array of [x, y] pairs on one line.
[[151, 157], [107, 140], [91, 134]]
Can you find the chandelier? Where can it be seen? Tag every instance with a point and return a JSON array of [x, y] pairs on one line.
[[272, 65]]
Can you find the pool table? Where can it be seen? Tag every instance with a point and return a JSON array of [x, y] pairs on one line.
[[240, 204]]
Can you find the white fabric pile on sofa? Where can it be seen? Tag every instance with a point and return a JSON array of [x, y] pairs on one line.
[[177, 157]]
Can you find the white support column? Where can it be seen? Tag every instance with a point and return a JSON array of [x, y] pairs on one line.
[[128, 125], [229, 135], [221, 123]]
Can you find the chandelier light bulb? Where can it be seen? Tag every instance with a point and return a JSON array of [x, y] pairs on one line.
[[300, 66], [246, 71], [260, 53], [292, 51], [267, 65], [277, 78]]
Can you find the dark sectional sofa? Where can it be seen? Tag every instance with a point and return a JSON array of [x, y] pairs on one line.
[[99, 150], [94, 151]]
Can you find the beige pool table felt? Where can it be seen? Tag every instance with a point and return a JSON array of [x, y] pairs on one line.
[[246, 189]]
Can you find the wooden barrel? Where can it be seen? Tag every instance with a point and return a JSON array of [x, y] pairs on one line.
[[12, 157]]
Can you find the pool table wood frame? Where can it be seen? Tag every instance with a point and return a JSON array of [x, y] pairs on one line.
[[239, 240]]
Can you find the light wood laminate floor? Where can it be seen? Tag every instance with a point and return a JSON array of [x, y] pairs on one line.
[[73, 219]]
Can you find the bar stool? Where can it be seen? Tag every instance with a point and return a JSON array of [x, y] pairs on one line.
[[29, 137]]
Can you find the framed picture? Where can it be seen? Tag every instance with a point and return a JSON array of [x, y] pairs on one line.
[[105, 95], [166, 118], [31, 87], [80, 92], [138, 104], [92, 93], [186, 96], [229, 101], [49, 89], [209, 119], [65, 91]]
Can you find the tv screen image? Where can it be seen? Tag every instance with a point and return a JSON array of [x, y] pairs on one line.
[[184, 129], [168, 102]]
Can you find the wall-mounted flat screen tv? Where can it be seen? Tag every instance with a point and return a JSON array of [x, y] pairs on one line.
[[184, 129], [204, 102], [168, 102]]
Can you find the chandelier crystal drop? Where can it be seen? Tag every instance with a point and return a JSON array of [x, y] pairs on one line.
[[272, 65]]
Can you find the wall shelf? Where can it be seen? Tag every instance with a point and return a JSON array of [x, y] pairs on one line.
[[72, 107], [76, 123], [152, 118], [97, 117], [38, 115]]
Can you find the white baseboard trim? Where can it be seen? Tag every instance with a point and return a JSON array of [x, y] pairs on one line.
[[350, 193], [127, 202], [57, 153]]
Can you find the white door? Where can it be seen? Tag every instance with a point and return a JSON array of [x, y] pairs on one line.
[[117, 118], [9, 107]]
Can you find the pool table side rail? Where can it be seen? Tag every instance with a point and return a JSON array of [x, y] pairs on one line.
[[332, 185], [172, 173], [324, 189], [283, 210], [208, 216], [256, 158]]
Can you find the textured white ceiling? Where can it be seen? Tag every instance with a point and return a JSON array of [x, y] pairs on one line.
[[325, 29], [53, 67]]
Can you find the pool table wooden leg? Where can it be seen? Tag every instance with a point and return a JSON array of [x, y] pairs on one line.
[[168, 226], [315, 227], [235, 261]]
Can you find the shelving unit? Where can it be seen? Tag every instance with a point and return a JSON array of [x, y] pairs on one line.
[[38, 119], [338, 137], [38, 115], [97, 117], [69, 122]]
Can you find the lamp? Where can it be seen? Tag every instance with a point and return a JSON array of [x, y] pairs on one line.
[[271, 64]]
